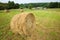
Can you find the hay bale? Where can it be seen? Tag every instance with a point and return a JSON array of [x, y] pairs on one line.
[[23, 23], [21, 10], [6, 11]]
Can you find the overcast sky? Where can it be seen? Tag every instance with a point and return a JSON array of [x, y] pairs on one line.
[[29, 1]]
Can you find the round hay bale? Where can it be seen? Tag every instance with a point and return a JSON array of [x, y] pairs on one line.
[[21, 10], [6, 11], [24, 24]]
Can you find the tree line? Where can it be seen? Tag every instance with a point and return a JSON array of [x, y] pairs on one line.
[[9, 5], [12, 5], [44, 5]]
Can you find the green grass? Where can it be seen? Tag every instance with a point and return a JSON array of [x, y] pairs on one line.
[[47, 21]]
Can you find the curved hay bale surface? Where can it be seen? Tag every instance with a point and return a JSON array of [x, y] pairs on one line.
[[23, 24]]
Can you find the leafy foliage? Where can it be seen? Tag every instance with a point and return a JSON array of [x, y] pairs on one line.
[[9, 5]]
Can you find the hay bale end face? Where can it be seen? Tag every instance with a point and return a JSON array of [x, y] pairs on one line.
[[23, 24]]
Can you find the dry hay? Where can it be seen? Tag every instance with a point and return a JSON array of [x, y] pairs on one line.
[[21, 10], [6, 11], [24, 24]]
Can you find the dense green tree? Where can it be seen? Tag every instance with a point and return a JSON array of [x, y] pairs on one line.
[[53, 5], [30, 6], [58, 4], [16, 6], [22, 6], [11, 5]]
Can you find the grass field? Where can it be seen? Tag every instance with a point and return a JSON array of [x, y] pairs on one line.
[[47, 21]]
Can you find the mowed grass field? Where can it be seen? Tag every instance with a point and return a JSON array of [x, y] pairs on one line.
[[47, 24]]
